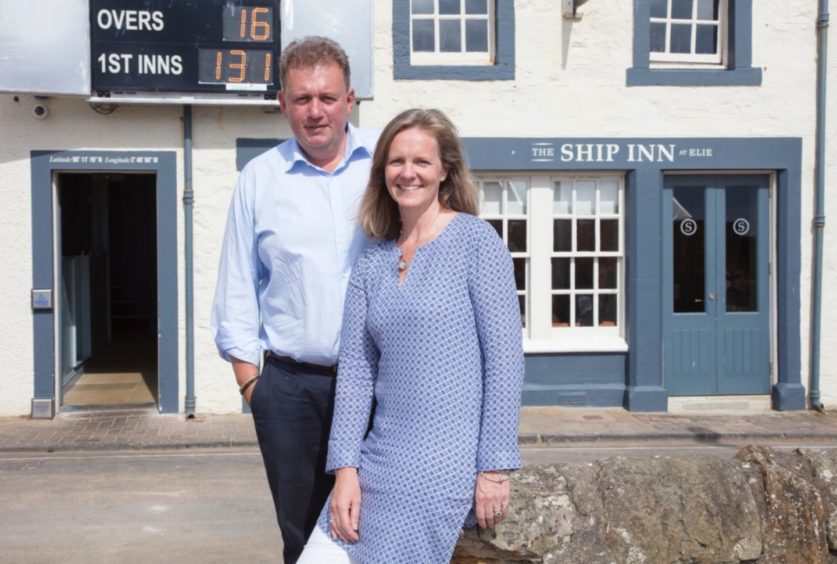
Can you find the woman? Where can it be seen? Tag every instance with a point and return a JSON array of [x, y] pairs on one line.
[[431, 331]]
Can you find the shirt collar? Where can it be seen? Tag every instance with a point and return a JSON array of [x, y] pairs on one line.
[[355, 147]]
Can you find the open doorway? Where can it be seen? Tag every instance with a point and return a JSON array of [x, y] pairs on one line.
[[107, 330]]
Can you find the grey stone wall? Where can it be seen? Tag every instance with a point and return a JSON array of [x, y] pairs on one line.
[[762, 506]]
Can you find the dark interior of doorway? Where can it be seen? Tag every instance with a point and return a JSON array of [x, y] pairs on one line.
[[109, 290]]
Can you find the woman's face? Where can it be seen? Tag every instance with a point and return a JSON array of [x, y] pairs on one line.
[[414, 169]]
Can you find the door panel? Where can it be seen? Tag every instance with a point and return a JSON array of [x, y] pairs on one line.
[[715, 290], [743, 321]]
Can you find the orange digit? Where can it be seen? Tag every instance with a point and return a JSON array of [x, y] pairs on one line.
[[218, 59], [240, 66], [267, 66], [243, 28], [259, 31]]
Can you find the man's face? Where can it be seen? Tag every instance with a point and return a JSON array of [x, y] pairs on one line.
[[317, 105]]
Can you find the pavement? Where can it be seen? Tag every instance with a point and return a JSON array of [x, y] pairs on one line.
[[540, 427]]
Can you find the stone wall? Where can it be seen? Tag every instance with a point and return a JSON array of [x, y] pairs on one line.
[[761, 506]]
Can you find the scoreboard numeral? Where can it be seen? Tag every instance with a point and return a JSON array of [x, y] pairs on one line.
[[267, 67], [240, 66], [259, 30]]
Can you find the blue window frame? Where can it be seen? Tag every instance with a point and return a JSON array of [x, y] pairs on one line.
[[737, 69], [502, 69]]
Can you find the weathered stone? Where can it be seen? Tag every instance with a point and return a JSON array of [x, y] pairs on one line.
[[685, 509], [689, 509], [793, 510], [824, 467]]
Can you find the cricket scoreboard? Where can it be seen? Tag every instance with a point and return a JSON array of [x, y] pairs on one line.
[[185, 46]]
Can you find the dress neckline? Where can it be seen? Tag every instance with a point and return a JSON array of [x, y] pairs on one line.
[[395, 249], [441, 234]]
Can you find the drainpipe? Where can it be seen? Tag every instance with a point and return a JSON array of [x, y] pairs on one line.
[[819, 214], [188, 199]]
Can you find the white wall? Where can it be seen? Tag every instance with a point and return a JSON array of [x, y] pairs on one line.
[[570, 81]]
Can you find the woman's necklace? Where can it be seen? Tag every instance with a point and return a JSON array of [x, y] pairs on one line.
[[403, 262]]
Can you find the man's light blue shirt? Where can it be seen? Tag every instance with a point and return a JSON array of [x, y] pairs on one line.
[[291, 239]]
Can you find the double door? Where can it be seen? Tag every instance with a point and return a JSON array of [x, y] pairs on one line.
[[716, 285]]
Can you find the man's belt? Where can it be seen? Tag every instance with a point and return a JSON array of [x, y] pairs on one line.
[[302, 365]]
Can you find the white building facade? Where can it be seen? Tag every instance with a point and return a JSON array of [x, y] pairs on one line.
[[651, 165]]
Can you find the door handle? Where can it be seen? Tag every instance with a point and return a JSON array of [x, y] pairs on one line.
[[712, 296]]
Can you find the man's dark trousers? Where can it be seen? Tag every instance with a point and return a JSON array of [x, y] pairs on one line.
[[292, 406]]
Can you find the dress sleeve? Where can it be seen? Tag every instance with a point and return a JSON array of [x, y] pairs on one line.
[[356, 377], [235, 310], [497, 315]]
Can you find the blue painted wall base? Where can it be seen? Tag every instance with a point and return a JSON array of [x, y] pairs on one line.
[[646, 398], [788, 397]]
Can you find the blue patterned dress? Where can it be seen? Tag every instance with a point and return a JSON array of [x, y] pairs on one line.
[[442, 355]]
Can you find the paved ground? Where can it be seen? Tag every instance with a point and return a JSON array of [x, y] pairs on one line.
[[540, 426]]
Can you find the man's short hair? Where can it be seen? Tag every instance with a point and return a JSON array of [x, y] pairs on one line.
[[310, 52]]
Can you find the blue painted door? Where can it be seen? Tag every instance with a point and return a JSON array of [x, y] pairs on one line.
[[716, 310]]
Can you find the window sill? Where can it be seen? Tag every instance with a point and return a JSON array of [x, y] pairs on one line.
[[586, 344], [454, 72], [694, 77]]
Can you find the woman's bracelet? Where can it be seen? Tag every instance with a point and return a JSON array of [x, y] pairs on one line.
[[501, 477], [248, 383]]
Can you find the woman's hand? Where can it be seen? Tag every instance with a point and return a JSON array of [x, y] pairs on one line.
[[344, 510], [491, 498]]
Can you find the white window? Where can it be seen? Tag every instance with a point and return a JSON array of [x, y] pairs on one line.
[[451, 32], [566, 237], [688, 31], [504, 203]]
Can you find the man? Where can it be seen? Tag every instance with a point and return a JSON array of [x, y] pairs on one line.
[[289, 246]]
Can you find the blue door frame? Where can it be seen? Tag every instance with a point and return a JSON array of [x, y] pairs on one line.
[[716, 302], [45, 164]]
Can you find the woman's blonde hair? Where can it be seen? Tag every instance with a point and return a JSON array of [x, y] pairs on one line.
[[378, 214]]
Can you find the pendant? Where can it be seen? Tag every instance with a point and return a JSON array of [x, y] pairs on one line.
[[402, 264]]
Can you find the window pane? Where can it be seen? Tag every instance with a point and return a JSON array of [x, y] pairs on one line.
[[476, 6], [585, 197], [421, 6], [517, 235], [688, 248], [516, 197], [450, 36], [586, 235], [521, 301], [607, 273], [497, 224], [492, 194], [706, 42], [708, 10], [561, 311], [561, 273], [681, 9], [520, 273], [584, 310], [658, 38], [449, 6], [562, 238], [607, 310], [424, 36], [681, 38], [659, 8], [608, 197], [609, 236], [584, 273], [742, 254], [562, 198], [476, 36]]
